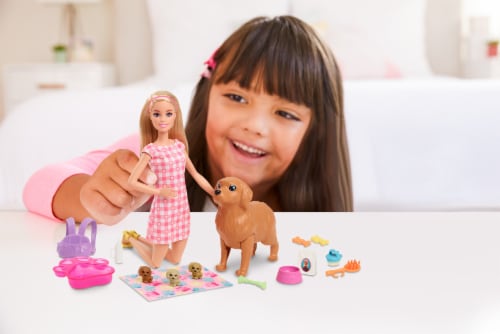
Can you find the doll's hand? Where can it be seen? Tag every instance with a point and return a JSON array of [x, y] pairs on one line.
[[107, 196], [168, 193]]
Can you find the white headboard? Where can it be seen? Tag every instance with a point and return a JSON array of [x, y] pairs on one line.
[[133, 32]]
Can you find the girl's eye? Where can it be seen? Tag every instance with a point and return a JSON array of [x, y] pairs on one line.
[[287, 115], [170, 114], [236, 98], [156, 114]]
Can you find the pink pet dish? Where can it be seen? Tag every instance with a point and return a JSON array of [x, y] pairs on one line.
[[84, 272], [289, 275]]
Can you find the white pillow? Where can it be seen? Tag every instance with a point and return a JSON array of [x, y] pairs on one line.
[[186, 33], [371, 38]]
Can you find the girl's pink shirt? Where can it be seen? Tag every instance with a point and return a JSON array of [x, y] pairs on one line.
[[41, 187]]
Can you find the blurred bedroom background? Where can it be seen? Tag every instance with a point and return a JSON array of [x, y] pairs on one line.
[[35, 31], [422, 81]]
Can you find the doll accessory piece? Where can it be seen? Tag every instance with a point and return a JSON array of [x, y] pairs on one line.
[[196, 270], [210, 63], [319, 240], [351, 266], [307, 262], [333, 257], [77, 244], [156, 98], [161, 288], [126, 235], [289, 275], [145, 273], [244, 280], [84, 272], [299, 241]]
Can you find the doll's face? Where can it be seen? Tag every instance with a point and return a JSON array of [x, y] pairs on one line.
[[252, 135], [163, 115]]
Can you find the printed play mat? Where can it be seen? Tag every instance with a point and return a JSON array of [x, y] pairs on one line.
[[160, 287]]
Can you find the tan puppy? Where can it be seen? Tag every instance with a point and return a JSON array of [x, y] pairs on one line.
[[173, 276], [196, 270], [241, 223]]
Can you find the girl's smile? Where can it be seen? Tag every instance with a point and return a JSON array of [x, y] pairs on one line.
[[247, 151], [252, 135]]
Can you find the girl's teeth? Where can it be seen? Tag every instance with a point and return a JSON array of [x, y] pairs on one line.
[[248, 149]]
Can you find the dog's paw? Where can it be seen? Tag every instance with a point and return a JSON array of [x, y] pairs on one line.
[[273, 258], [220, 267], [240, 272]]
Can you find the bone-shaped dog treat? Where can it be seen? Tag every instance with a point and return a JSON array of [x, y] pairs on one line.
[[319, 240], [243, 279], [299, 241]]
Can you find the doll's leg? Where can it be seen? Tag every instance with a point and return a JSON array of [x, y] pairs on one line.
[[145, 241], [144, 250], [159, 253], [130, 235], [174, 255]]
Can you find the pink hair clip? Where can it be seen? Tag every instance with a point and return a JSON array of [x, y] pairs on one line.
[[210, 63]]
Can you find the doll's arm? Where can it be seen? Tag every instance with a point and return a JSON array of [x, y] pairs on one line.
[[133, 180], [202, 182], [135, 184]]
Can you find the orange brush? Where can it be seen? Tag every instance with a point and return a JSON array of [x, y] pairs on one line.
[[351, 266]]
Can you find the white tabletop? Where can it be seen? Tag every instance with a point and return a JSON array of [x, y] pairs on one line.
[[420, 273]]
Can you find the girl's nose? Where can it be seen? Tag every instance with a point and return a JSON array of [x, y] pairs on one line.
[[256, 122]]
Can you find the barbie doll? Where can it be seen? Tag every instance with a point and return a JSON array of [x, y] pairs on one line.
[[164, 149]]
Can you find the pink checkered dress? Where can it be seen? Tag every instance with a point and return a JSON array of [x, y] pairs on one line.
[[169, 219]]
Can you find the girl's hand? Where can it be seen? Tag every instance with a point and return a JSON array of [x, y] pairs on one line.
[[106, 194], [168, 193]]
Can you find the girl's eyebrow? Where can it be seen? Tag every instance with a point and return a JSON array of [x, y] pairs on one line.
[[293, 105]]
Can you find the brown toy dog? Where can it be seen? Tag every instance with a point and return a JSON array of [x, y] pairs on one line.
[[145, 273], [241, 223]]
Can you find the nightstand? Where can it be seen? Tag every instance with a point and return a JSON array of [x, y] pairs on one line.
[[480, 57], [23, 81], [482, 69]]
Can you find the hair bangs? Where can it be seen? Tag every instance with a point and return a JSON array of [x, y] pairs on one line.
[[270, 58]]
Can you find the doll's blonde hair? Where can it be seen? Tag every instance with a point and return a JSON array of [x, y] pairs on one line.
[[148, 133]]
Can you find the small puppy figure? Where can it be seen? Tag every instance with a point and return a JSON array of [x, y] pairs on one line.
[[241, 223], [195, 269], [145, 273], [173, 276]]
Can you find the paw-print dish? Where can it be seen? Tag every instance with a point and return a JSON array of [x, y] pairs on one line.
[[84, 272]]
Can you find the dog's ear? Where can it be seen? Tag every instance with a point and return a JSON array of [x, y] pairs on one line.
[[246, 195]]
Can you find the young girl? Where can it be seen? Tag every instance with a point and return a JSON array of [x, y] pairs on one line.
[[269, 109], [164, 149]]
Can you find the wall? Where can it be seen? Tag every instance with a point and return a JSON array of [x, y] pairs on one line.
[[442, 36], [133, 38], [28, 29]]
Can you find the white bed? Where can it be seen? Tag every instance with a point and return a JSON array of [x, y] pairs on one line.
[[418, 142]]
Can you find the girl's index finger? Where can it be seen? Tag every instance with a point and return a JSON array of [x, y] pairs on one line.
[[127, 161]]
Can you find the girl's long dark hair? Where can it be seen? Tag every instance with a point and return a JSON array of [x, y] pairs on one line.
[[288, 59]]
